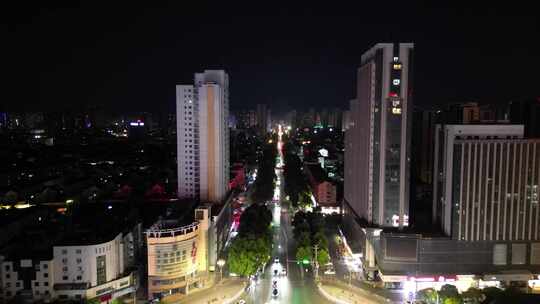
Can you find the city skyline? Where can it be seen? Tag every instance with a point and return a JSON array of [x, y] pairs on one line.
[[227, 153]]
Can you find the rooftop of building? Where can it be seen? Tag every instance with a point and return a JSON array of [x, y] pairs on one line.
[[172, 216]]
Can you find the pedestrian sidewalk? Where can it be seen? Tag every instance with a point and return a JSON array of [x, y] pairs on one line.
[[224, 292], [343, 293]]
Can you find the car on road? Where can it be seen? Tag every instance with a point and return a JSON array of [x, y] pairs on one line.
[[329, 269], [275, 292], [275, 272], [276, 261]]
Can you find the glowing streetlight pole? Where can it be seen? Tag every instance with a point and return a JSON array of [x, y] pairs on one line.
[[221, 263]]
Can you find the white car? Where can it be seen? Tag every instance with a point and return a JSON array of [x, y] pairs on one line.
[[276, 261], [329, 270]]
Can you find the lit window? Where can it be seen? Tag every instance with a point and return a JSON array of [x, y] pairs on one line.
[[396, 110], [396, 81], [395, 103], [397, 66], [396, 59]]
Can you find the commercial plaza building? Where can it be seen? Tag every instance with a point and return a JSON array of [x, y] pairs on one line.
[[377, 143], [491, 237], [177, 255], [202, 112], [182, 255]]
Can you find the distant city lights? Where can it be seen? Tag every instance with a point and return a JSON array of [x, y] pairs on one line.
[[137, 123]]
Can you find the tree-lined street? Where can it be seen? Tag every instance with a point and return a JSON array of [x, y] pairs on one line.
[[293, 283]]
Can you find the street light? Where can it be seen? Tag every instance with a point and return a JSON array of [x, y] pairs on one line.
[[221, 263]]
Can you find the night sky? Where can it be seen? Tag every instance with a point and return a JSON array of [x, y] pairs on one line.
[[129, 57]]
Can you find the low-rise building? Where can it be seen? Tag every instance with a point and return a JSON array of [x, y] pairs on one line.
[[324, 190], [177, 255], [94, 268]]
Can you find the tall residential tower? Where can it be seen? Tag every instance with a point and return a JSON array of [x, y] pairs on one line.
[[202, 112], [378, 140]]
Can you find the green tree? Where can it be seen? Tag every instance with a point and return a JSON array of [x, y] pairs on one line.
[[256, 220], [299, 217], [473, 296], [247, 254], [491, 293], [323, 257], [428, 296], [453, 300], [304, 199], [509, 295], [448, 291], [92, 301], [320, 239], [303, 239], [299, 229], [304, 253]]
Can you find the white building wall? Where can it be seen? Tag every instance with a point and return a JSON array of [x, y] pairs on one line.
[[41, 288], [500, 202], [194, 166], [78, 264], [445, 141], [186, 130]]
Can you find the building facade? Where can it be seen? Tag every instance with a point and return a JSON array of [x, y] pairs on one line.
[[445, 137], [32, 279], [202, 113], [495, 191], [74, 271], [177, 255], [323, 189], [93, 270], [377, 145]]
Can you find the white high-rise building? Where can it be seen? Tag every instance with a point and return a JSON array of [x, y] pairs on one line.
[[377, 143], [202, 112]]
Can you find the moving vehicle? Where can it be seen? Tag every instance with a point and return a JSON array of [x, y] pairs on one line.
[[276, 260], [275, 293], [329, 269]]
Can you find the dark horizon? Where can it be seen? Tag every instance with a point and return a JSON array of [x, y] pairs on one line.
[[131, 57]]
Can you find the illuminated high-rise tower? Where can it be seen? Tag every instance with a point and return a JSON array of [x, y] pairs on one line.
[[377, 153], [202, 113]]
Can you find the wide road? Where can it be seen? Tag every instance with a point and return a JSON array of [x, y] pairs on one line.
[[296, 286]]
